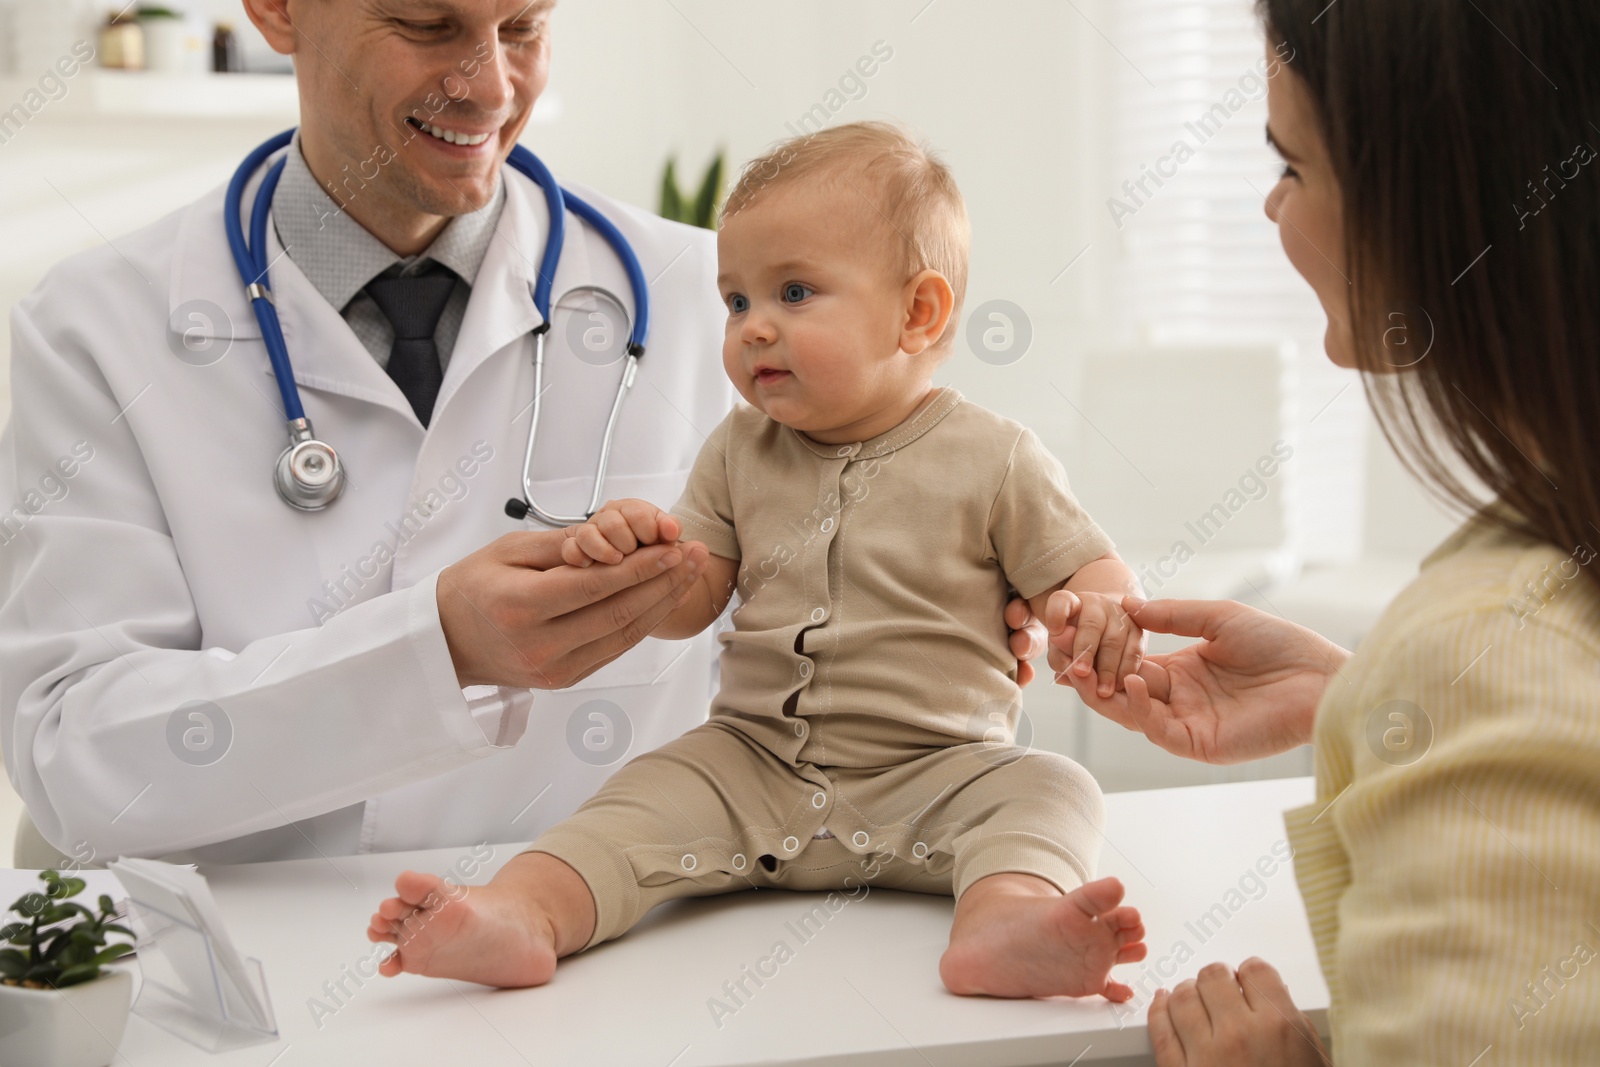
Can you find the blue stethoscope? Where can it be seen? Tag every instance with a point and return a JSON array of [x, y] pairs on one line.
[[309, 475]]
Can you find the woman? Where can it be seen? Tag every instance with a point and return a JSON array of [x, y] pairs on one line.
[[1440, 167]]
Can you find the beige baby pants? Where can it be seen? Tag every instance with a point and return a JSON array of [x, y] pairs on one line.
[[713, 812]]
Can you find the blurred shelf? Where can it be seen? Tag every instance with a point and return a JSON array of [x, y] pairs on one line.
[[142, 94], [122, 93]]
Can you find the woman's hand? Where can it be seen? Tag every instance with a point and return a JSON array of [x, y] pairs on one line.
[[1228, 1019], [1249, 688]]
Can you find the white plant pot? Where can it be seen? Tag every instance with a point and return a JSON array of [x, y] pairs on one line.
[[79, 1026], [175, 46]]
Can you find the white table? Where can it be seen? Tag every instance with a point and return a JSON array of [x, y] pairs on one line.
[[862, 989]]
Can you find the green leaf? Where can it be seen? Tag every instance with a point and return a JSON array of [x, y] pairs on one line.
[[11, 930], [112, 953], [74, 886], [107, 907], [12, 963], [63, 946], [671, 198], [710, 195], [83, 972], [59, 912], [31, 904]]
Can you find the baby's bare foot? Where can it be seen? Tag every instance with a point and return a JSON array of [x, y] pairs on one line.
[[1010, 940], [491, 934]]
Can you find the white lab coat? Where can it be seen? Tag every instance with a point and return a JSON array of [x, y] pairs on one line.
[[166, 570]]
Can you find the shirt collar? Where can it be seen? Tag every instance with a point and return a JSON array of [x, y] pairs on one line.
[[931, 412], [1495, 521], [339, 256]]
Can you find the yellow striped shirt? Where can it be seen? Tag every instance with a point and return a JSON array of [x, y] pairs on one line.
[[1450, 865]]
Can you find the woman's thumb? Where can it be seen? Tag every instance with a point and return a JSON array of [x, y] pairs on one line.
[[1185, 618]]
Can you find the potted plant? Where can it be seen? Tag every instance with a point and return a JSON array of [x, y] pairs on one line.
[[173, 42], [58, 1007]]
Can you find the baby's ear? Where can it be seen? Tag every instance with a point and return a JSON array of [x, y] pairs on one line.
[[929, 304]]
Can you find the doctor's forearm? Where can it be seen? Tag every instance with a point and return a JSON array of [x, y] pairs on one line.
[[282, 730]]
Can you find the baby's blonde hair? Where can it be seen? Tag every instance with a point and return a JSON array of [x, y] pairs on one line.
[[904, 183]]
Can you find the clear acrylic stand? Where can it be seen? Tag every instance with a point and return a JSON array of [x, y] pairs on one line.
[[187, 993]]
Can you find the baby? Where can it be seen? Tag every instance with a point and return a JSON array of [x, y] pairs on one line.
[[871, 525]]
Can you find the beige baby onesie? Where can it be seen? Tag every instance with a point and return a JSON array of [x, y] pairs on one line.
[[867, 684]]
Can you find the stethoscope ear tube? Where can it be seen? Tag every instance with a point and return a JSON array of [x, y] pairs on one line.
[[308, 474], [630, 263], [558, 201], [521, 509], [266, 308]]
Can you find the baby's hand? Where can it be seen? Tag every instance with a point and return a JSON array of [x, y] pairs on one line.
[[616, 531], [1098, 634]]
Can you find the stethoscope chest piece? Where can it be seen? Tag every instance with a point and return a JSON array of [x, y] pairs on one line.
[[309, 475]]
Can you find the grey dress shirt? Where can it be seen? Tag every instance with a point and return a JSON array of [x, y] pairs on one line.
[[339, 257]]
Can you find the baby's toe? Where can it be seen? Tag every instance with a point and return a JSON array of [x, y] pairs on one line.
[[1100, 896], [1129, 938], [1132, 953], [1126, 922], [1116, 992], [415, 888], [394, 909], [380, 929]]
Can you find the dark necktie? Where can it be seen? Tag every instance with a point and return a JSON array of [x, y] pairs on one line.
[[413, 304]]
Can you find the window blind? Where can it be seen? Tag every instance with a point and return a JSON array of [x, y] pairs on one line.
[[1199, 262]]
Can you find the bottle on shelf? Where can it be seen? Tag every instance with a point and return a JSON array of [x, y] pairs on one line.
[[225, 50]]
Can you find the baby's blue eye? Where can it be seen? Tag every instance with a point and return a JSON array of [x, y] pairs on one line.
[[738, 303], [794, 292]]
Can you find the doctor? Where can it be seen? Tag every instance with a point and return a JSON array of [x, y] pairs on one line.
[[187, 664], [191, 668]]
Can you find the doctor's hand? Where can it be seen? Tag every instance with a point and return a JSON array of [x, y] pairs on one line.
[[1248, 688], [1227, 1018], [514, 614], [616, 531]]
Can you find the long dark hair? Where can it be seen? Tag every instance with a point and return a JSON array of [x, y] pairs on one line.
[[1464, 136]]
